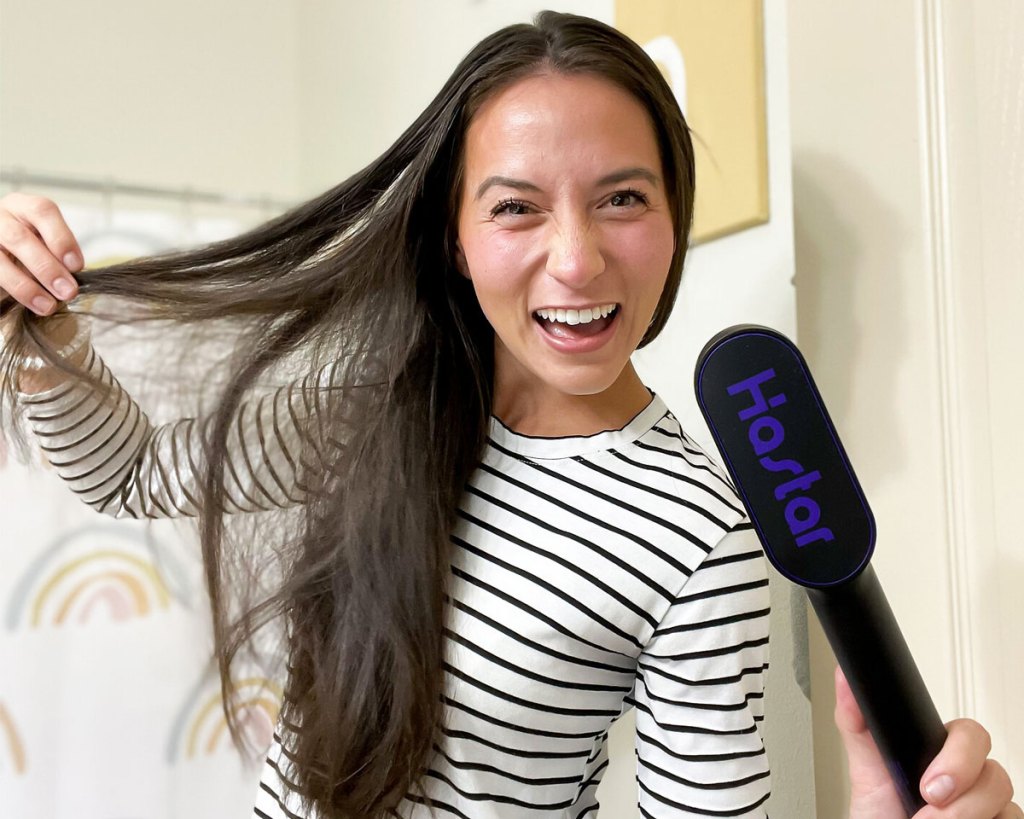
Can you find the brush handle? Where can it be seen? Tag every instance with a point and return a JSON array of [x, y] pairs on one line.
[[884, 679]]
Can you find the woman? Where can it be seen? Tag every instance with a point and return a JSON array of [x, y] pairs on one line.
[[506, 538]]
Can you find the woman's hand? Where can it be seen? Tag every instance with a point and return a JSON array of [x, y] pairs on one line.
[[38, 253], [961, 782]]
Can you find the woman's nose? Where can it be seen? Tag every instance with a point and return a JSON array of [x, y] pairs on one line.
[[574, 255]]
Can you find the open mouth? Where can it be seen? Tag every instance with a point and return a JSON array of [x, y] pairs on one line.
[[573, 324]]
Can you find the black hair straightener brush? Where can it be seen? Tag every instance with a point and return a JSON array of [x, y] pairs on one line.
[[790, 469]]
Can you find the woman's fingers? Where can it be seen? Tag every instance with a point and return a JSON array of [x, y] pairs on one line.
[[988, 795], [960, 782], [22, 287], [49, 223], [958, 764], [1011, 811], [40, 253]]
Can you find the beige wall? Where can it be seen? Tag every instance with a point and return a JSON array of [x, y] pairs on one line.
[[185, 93], [369, 69], [907, 182]]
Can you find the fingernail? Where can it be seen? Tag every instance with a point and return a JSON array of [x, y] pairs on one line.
[[940, 788], [64, 288], [42, 305], [72, 262]]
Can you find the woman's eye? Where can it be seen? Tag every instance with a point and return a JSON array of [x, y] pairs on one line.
[[625, 199], [513, 207]]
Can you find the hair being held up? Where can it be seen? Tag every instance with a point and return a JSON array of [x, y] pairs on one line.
[[365, 275]]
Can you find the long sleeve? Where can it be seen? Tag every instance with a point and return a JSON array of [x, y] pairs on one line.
[[700, 691], [121, 464]]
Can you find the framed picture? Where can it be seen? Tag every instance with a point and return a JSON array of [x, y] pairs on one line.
[[712, 53]]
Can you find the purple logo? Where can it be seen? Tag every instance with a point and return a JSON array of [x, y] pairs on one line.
[[794, 483]]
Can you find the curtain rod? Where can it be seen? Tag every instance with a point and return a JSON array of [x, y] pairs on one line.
[[19, 177]]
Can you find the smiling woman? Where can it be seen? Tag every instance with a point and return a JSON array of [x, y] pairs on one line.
[[562, 549], [505, 540], [564, 213]]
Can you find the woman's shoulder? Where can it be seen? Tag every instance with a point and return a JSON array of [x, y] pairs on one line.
[[666, 446]]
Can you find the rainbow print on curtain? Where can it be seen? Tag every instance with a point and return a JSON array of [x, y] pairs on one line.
[[88, 574], [201, 729], [12, 752]]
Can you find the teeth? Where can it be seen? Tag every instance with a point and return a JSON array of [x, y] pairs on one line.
[[573, 317]]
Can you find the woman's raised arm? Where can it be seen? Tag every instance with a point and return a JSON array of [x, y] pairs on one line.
[[110, 454], [98, 438]]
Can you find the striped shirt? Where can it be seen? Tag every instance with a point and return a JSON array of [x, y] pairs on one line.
[[589, 575]]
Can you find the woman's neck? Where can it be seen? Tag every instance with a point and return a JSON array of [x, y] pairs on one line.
[[545, 412]]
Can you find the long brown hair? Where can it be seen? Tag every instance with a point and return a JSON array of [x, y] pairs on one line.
[[366, 274]]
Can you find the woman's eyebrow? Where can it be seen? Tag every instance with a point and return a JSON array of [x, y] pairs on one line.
[[630, 173], [613, 178], [505, 182]]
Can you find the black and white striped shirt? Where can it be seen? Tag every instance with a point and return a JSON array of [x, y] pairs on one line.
[[589, 574]]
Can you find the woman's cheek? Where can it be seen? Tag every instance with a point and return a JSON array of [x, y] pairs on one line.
[[643, 249], [508, 259]]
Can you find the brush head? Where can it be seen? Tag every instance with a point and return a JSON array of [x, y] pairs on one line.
[[783, 453]]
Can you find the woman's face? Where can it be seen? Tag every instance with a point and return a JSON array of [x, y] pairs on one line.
[[565, 230]]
